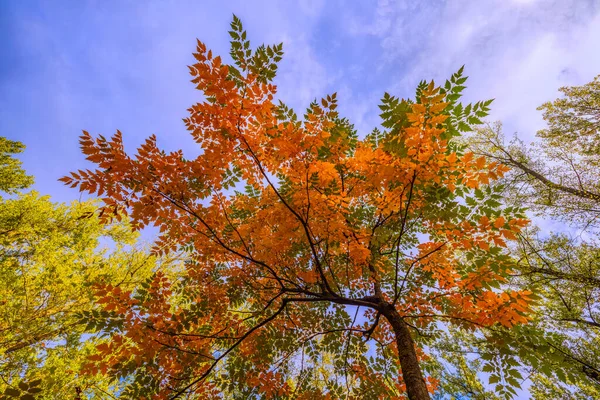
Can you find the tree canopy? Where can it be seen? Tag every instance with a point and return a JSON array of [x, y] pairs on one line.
[[12, 177], [51, 257], [557, 177], [320, 264], [299, 259]]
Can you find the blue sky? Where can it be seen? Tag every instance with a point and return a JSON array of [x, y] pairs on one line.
[[103, 65]]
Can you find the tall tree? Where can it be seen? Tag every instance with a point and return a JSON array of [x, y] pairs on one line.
[[302, 240], [557, 177], [558, 174], [50, 260], [12, 177]]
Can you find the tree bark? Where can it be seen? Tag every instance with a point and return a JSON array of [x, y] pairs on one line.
[[409, 364]]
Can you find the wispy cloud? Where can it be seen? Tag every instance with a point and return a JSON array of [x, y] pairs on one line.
[[123, 66], [517, 51]]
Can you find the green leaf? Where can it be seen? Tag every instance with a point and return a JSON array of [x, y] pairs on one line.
[[488, 368]]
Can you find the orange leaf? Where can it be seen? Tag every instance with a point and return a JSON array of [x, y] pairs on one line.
[[499, 222]]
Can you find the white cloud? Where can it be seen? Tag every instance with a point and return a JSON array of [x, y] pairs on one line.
[[301, 77], [312, 8], [125, 68], [518, 52], [360, 25], [523, 2]]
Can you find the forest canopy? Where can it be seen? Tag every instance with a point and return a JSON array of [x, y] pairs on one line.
[[300, 259]]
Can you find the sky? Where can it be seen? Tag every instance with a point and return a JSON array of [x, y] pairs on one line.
[[103, 65]]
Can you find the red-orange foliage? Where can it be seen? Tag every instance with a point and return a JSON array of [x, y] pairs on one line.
[[327, 223]]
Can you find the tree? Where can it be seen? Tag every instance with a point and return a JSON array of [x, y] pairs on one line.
[[308, 246], [12, 176], [566, 275], [557, 177], [462, 382], [50, 260], [558, 174]]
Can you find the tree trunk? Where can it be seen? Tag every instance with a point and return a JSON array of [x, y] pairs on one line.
[[411, 371]]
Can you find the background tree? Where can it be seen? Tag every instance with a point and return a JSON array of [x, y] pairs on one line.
[[304, 241], [12, 176], [558, 174], [50, 259], [557, 177]]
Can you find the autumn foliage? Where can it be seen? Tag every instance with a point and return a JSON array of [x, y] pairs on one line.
[[307, 244]]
